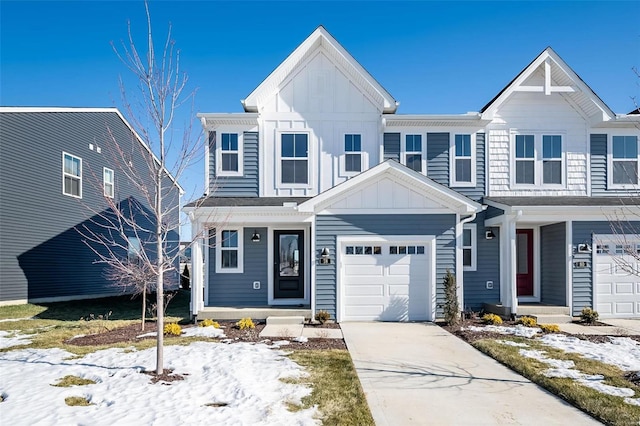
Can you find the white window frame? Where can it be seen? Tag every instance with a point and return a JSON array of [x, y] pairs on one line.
[[134, 249], [551, 159], [65, 174], [105, 182], [473, 247], [239, 249], [279, 158], [343, 157], [538, 159], [239, 152], [422, 152], [610, 161], [453, 157]]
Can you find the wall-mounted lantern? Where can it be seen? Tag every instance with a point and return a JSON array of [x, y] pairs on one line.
[[489, 235], [255, 237], [324, 256]]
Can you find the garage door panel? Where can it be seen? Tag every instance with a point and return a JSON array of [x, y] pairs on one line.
[[617, 291], [364, 290], [605, 289], [624, 308], [367, 312], [364, 270], [605, 308], [398, 290], [624, 289]]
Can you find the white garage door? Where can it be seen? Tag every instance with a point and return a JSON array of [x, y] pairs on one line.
[[387, 281], [617, 290]]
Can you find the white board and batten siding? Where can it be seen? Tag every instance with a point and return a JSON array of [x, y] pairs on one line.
[[319, 99], [386, 279], [616, 290]]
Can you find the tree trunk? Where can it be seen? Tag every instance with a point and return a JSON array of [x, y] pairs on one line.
[[160, 266], [144, 305]]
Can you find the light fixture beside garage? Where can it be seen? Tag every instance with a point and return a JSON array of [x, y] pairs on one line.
[[324, 256]]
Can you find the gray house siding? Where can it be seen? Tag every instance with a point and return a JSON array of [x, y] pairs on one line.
[[487, 269], [583, 277], [391, 146], [42, 255], [237, 289], [438, 157], [328, 228], [599, 170], [236, 186], [553, 266], [478, 191]]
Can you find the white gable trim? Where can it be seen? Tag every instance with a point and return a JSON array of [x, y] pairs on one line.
[[577, 88], [320, 38], [393, 170]]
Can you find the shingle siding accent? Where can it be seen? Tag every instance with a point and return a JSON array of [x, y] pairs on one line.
[[246, 185], [42, 255], [487, 269], [237, 289], [553, 265], [583, 277], [438, 157], [391, 143], [328, 228]]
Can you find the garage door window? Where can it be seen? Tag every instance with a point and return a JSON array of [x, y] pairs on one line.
[[406, 250], [363, 250]]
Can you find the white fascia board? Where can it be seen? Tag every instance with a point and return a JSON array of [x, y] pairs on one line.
[[245, 214], [532, 214], [470, 119], [210, 121]]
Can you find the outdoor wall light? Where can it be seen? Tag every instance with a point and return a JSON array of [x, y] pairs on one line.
[[255, 237], [325, 252], [324, 256], [489, 235]]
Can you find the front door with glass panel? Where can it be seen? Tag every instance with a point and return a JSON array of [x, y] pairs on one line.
[[288, 268], [524, 262]]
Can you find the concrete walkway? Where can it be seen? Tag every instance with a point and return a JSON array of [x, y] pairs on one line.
[[419, 374], [614, 327]]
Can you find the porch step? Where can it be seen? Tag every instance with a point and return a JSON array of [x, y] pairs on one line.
[[272, 320], [553, 319], [255, 313], [535, 310]]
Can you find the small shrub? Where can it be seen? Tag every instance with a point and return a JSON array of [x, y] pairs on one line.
[[549, 328], [77, 401], [208, 322], [589, 316], [322, 316], [492, 319], [528, 321], [245, 324], [451, 306], [172, 329]]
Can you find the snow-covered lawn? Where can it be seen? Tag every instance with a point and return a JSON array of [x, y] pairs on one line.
[[243, 378]]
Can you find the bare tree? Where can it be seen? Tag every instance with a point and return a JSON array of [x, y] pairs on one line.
[[147, 224]]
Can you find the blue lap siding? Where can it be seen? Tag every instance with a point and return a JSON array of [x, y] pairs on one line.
[[236, 186], [487, 269], [553, 265], [328, 228]]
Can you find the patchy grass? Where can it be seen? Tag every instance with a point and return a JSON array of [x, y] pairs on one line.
[[68, 381], [77, 401], [336, 388], [609, 409]]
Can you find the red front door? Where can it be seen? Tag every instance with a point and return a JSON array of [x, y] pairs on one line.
[[524, 262]]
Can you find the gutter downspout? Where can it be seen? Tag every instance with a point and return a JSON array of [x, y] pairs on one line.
[[459, 265]]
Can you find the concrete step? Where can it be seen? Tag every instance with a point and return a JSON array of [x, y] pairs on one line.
[[533, 310], [255, 313], [282, 331], [290, 320], [553, 319]]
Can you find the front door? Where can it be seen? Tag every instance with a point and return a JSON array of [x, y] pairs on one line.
[[524, 262], [288, 254]]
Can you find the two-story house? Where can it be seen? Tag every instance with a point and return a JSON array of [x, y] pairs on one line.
[[321, 196], [61, 173]]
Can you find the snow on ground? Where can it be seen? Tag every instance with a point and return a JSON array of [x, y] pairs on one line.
[[15, 319], [518, 330], [14, 338], [209, 331], [244, 376], [512, 343]]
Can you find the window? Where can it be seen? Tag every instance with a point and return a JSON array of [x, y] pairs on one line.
[[134, 249], [469, 237], [623, 169], [294, 155], [229, 251], [353, 153], [71, 175], [406, 249], [463, 161], [413, 152], [107, 178], [552, 159], [525, 159], [229, 155]]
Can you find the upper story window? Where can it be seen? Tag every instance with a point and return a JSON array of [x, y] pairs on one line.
[[352, 153], [623, 161], [108, 182], [229, 251], [294, 158], [469, 247], [71, 175], [463, 161], [229, 155], [413, 152], [134, 249], [538, 159]]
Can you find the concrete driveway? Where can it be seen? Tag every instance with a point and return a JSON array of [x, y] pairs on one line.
[[419, 374]]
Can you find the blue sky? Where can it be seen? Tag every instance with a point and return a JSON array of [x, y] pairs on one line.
[[433, 57]]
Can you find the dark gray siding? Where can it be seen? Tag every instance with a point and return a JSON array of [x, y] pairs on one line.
[[487, 269], [477, 192], [438, 157], [236, 186], [599, 169], [582, 277], [42, 255], [553, 265], [328, 228], [492, 212], [237, 289], [392, 146]]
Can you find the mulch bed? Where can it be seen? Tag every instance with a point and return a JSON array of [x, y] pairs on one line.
[[131, 332]]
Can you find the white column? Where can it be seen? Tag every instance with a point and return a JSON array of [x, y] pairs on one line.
[[569, 247], [197, 267]]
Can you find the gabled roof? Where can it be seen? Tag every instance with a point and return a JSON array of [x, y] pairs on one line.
[[391, 168], [321, 39], [559, 78]]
